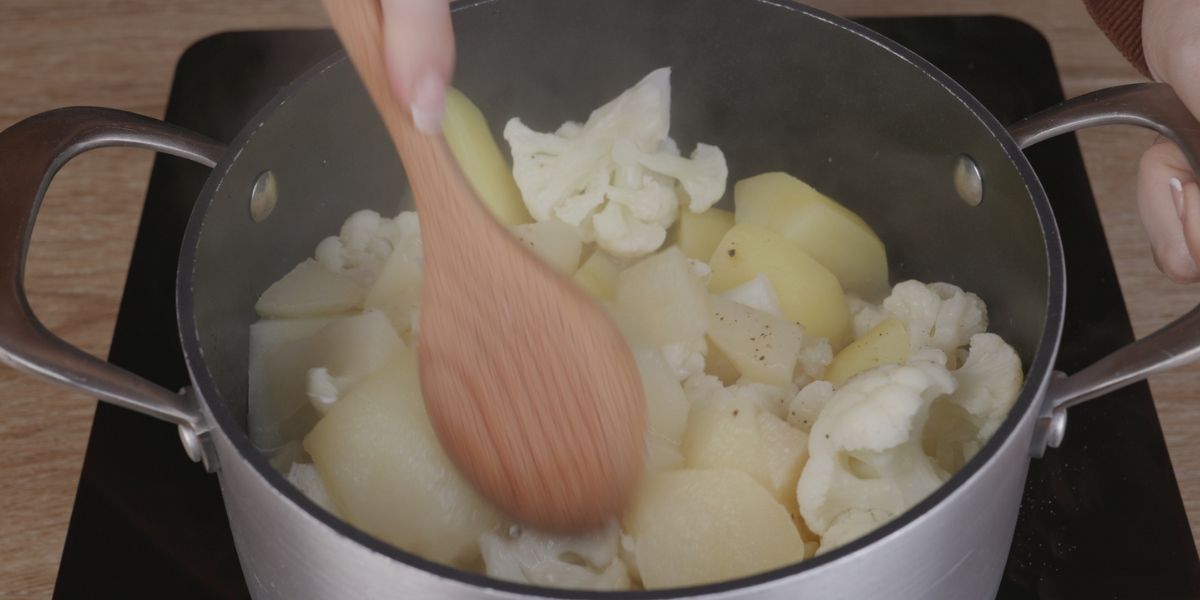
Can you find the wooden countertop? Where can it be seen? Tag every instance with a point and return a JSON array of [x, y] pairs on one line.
[[122, 53]]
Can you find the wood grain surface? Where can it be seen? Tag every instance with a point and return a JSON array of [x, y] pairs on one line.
[[121, 54]]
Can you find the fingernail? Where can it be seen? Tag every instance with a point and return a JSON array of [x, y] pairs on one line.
[[429, 103], [1177, 195]]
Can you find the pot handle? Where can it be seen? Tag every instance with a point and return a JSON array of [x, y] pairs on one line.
[[1153, 106], [31, 153]]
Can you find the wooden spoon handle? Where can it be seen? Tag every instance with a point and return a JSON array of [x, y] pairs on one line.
[[439, 188]]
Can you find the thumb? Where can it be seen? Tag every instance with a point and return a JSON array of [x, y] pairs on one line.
[[419, 50]]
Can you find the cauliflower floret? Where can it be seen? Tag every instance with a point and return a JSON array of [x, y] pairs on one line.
[[988, 384], [365, 242], [808, 403], [615, 177], [305, 477], [702, 176], [939, 315], [758, 293], [865, 315], [323, 389], [686, 359], [865, 449], [537, 558]]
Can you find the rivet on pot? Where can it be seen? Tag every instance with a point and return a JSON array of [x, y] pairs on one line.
[[263, 197], [195, 448], [968, 181], [1057, 429]]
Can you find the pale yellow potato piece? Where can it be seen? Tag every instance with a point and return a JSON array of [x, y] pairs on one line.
[[263, 417], [473, 146], [719, 365], [666, 406], [763, 347], [693, 527], [310, 290], [397, 290], [555, 242], [662, 456], [887, 343], [809, 294], [381, 463], [349, 347], [831, 233], [733, 433], [724, 433], [787, 452], [698, 234], [664, 301], [598, 276]]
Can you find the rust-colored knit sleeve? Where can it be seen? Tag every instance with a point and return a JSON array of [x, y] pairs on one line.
[[1121, 21]]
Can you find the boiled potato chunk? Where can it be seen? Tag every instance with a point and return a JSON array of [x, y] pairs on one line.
[[349, 348], [263, 416], [310, 290], [663, 299], [662, 456], [598, 276], [764, 348], [698, 234], [555, 242], [829, 232], [734, 433], [809, 293], [397, 291], [386, 474], [885, 344], [473, 146], [719, 365], [787, 453], [666, 406], [693, 527], [723, 433]]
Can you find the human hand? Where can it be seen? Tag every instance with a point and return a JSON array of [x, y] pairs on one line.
[[419, 48], [1168, 193]]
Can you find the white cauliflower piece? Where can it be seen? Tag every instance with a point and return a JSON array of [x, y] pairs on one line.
[[850, 526], [815, 355], [703, 388], [323, 388], [365, 242], [938, 315], [865, 315], [537, 558], [702, 176], [615, 176], [865, 449], [808, 403], [988, 384], [758, 293], [305, 477], [686, 359]]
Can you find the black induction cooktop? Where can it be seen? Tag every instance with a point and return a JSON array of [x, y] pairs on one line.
[[1101, 517]]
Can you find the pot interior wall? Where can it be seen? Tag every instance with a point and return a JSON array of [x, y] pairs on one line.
[[774, 88]]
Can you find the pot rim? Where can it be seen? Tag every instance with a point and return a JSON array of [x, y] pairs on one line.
[[1028, 401]]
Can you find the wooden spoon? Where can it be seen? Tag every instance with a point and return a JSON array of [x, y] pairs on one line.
[[532, 390]]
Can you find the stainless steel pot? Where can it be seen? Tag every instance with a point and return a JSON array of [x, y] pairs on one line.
[[777, 86]]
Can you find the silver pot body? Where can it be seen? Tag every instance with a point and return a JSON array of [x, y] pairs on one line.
[[778, 87]]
